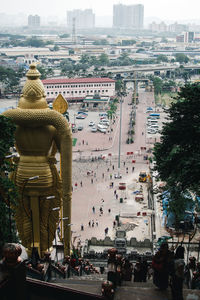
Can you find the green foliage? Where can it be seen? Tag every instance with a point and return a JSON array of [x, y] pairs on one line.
[[64, 35], [10, 78], [101, 42], [181, 58], [158, 83], [8, 191], [162, 58], [45, 72], [128, 42], [178, 154], [103, 59]]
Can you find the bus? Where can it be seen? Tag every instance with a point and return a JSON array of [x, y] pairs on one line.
[[154, 115]]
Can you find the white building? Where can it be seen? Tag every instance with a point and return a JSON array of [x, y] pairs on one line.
[[77, 89], [82, 18], [128, 16]]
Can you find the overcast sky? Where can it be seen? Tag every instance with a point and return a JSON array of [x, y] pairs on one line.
[[163, 9]]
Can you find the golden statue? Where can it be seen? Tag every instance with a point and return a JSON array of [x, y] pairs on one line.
[[39, 134]]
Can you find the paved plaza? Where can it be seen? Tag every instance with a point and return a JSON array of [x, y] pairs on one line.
[[93, 176]]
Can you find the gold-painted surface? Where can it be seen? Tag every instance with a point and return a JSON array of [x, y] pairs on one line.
[[60, 104], [40, 133]]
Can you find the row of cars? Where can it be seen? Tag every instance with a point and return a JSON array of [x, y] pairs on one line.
[[102, 125], [152, 123]]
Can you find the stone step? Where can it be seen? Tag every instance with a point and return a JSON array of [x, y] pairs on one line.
[[136, 293]]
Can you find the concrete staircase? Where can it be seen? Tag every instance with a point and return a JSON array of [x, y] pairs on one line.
[[127, 291]]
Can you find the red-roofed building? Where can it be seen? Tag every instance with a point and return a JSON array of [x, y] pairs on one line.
[[77, 89]]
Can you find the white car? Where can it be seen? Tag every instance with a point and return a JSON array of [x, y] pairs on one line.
[[94, 129], [91, 123]]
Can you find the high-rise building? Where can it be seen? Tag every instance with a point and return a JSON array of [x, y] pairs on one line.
[[83, 18], [33, 21], [128, 16]]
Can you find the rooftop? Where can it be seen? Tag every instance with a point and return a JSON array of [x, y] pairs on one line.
[[76, 80]]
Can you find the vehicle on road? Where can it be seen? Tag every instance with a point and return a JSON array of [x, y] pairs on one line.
[[94, 129], [82, 113], [81, 116], [157, 116], [154, 126], [103, 114], [152, 131], [105, 121], [143, 177], [80, 127]]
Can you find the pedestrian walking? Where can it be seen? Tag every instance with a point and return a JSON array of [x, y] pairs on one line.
[[116, 196], [133, 168], [97, 223], [177, 275], [127, 170], [110, 176], [113, 167], [81, 183], [92, 223], [114, 224], [102, 175], [94, 174], [108, 170], [160, 263], [124, 163], [93, 209], [89, 223], [109, 210], [92, 180], [106, 230], [82, 227], [115, 192], [83, 142]]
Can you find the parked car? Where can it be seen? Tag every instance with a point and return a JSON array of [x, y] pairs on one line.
[[94, 129], [80, 127], [81, 116], [91, 123], [82, 113]]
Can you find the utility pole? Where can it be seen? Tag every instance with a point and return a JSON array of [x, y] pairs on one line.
[[74, 31]]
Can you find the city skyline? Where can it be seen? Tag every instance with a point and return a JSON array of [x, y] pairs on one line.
[[172, 10]]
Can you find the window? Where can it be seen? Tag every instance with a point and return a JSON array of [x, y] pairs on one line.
[[83, 91], [103, 91], [51, 93], [56, 93], [47, 93], [106, 91], [75, 92], [99, 91], [79, 92], [64, 92], [67, 92], [91, 91]]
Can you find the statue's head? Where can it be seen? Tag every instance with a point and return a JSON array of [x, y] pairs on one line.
[[33, 94]]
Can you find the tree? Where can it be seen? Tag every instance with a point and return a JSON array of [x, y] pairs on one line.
[[181, 58], [178, 154], [10, 78], [157, 82], [8, 192], [103, 59], [162, 57]]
